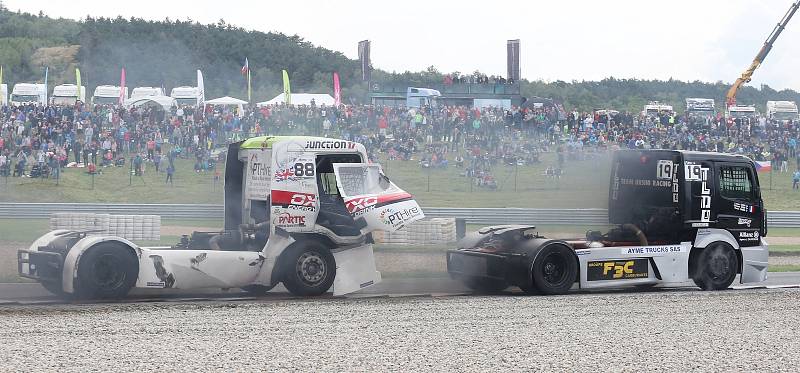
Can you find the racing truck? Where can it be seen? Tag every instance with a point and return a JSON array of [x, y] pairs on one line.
[[298, 211], [676, 217]]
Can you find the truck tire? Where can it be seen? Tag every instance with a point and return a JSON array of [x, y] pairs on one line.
[[257, 290], [715, 267], [309, 268], [485, 285], [554, 269], [107, 270]]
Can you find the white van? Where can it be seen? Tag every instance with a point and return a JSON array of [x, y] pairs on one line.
[[67, 94], [108, 95], [25, 93], [186, 96]]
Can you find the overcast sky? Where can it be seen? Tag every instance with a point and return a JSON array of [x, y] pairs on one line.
[[705, 40]]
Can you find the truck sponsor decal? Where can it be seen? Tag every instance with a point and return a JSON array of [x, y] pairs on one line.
[[359, 206], [294, 200], [288, 220], [748, 236], [743, 207], [397, 217], [617, 270], [639, 250], [330, 145]]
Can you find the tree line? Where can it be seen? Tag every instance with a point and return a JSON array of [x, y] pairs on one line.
[[156, 53]]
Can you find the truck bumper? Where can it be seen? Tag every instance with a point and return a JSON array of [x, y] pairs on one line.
[[463, 264], [755, 262], [39, 265]]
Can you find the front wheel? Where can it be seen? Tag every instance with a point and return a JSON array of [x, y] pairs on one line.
[[310, 268], [106, 271], [554, 269], [715, 267]]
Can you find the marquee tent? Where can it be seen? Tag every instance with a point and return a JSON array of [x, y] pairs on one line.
[[302, 99]]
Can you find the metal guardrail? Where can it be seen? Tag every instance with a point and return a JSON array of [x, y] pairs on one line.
[[488, 216]]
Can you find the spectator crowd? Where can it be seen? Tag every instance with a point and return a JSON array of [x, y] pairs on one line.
[[41, 141]]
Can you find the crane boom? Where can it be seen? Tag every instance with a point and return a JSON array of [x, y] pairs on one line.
[[762, 54]]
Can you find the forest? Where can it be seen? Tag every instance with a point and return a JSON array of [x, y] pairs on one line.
[[167, 53]]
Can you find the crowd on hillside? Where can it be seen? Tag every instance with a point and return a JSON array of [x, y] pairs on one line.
[[39, 141]]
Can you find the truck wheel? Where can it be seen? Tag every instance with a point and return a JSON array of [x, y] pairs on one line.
[[715, 267], [106, 271], [54, 287], [257, 290], [554, 270], [310, 268], [485, 285]]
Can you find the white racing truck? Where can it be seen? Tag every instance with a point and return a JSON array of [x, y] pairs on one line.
[[782, 111], [680, 216], [298, 210]]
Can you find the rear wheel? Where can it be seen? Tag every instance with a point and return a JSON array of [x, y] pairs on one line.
[[106, 271], [554, 270], [715, 267], [485, 285], [310, 268]]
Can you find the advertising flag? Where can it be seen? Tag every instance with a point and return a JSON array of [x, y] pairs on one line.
[[201, 88], [337, 92], [78, 83], [122, 87], [287, 88], [46, 70]]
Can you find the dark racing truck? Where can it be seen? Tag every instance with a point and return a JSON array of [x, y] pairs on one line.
[[678, 216]]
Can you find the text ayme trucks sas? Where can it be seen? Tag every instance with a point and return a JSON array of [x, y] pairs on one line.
[[298, 210], [108, 95], [27, 93], [68, 94], [681, 216], [782, 111]]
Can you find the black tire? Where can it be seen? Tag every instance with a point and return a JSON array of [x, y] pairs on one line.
[[715, 267], [309, 268], [107, 270], [554, 269], [57, 288], [257, 290], [485, 285]]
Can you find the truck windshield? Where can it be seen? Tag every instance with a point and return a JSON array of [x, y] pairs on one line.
[[186, 101], [362, 180], [24, 98], [100, 100], [784, 115]]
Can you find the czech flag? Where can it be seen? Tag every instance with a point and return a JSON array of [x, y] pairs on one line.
[[246, 67], [763, 166]]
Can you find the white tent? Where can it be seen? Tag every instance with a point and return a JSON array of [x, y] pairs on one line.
[[302, 99], [164, 101], [227, 100]]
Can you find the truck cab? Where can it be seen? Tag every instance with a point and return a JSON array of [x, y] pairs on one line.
[[68, 94], [700, 112], [678, 217], [186, 96], [298, 211], [782, 111], [421, 97], [27, 93], [109, 95]]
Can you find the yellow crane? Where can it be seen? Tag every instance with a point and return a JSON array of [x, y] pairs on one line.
[[730, 98]]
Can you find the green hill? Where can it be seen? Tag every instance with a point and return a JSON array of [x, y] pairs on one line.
[[168, 52]]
